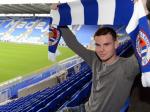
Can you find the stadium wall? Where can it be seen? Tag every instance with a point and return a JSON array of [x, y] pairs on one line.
[[9, 89], [51, 81]]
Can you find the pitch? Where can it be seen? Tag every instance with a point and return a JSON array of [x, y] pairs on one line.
[[24, 59]]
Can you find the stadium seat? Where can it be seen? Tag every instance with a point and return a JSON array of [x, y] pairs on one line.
[[126, 106], [81, 97], [42, 110]]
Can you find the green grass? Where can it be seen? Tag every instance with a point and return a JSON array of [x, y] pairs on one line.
[[22, 59]]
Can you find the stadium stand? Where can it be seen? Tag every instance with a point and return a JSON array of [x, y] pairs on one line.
[[67, 84], [5, 25], [50, 96], [40, 29], [25, 30], [16, 88], [31, 82], [73, 91]]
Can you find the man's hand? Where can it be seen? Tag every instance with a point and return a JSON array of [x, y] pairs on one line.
[[54, 6]]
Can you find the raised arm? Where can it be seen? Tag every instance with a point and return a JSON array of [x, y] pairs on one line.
[[73, 44]]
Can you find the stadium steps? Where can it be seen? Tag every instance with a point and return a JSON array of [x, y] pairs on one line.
[[43, 98]]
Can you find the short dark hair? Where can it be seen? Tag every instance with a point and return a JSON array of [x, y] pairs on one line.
[[105, 31], [148, 8], [148, 5]]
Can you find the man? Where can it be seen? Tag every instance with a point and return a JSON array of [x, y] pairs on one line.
[[113, 76]]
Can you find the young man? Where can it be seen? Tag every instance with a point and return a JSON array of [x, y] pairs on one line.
[[113, 76]]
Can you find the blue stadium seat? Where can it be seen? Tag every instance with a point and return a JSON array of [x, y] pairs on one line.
[[41, 110], [53, 105], [36, 107], [81, 97], [44, 109], [126, 105]]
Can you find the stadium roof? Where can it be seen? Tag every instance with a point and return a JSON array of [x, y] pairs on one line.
[[27, 7]]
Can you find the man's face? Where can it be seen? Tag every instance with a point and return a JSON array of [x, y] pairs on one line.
[[106, 47]]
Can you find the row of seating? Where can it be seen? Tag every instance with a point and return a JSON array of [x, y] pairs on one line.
[[80, 97], [50, 98], [20, 26], [39, 77]]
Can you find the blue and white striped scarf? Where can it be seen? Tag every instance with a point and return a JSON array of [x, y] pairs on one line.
[[111, 12]]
